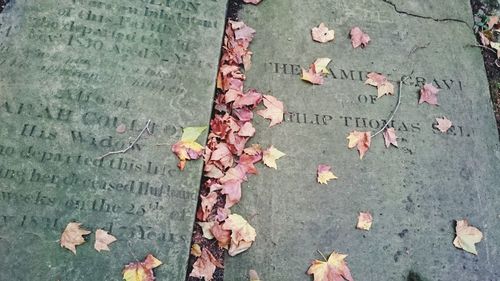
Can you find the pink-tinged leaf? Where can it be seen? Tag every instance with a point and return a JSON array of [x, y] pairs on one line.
[[274, 111], [232, 190], [322, 34], [443, 124], [204, 266], [247, 130], [365, 221], [325, 174], [359, 38], [255, 2], [242, 234], [484, 40], [380, 81], [360, 140], [102, 240], [390, 137], [428, 94], [207, 204], [312, 76]]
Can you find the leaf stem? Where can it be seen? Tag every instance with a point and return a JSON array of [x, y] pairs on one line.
[[322, 255], [393, 112]]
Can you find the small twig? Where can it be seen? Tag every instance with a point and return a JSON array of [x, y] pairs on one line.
[[393, 112], [146, 129], [484, 47], [418, 47], [322, 255]]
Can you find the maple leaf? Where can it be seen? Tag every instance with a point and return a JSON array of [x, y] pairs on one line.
[[274, 111], [384, 87], [255, 2], [322, 34], [365, 220], [324, 174], [334, 269], [359, 38], [428, 94], [196, 250], [232, 190], [312, 76], [72, 236], [253, 275], [360, 140], [390, 137], [321, 65], [247, 130], [443, 124], [102, 240], [205, 265], [207, 204], [242, 234], [270, 156], [467, 237], [222, 236], [141, 271], [187, 148]]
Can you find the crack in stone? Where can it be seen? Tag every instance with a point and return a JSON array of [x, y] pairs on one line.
[[424, 17]]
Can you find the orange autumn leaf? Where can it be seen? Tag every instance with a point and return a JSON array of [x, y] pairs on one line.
[[443, 124], [365, 220], [274, 110], [360, 140], [324, 174], [72, 236], [467, 237], [334, 269], [270, 156], [141, 271], [322, 34], [102, 240], [187, 148], [242, 234]]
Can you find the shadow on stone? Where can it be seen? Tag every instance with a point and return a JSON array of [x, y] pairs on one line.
[[413, 276]]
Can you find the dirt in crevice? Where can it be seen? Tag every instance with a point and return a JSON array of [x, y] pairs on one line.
[[2, 4], [490, 58]]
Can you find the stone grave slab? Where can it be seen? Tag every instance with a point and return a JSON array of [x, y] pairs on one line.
[[415, 192], [81, 78]]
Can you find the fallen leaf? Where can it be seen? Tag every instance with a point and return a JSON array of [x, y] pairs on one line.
[[255, 2], [207, 204], [141, 271], [312, 76], [322, 34], [484, 39], [253, 275], [205, 228], [321, 65], [324, 174], [187, 148], [72, 236], [359, 38], [205, 265], [492, 21], [335, 269], [364, 221], [443, 124], [222, 236], [122, 128], [496, 46], [274, 111], [196, 250], [428, 94], [378, 80], [242, 234], [102, 240], [360, 140], [270, 156], [390, 137], [467, 237]]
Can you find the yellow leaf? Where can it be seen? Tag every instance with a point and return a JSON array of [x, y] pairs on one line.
[[467, 237], [270, 156], [196, 250], [141, 271], [321, 65], [361, 140], [253, 275], [72, 236], [190, 134], [332, 270], [324, 174]]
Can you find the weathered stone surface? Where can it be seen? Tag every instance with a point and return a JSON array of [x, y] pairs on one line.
[[71, 73], [415, 192]]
